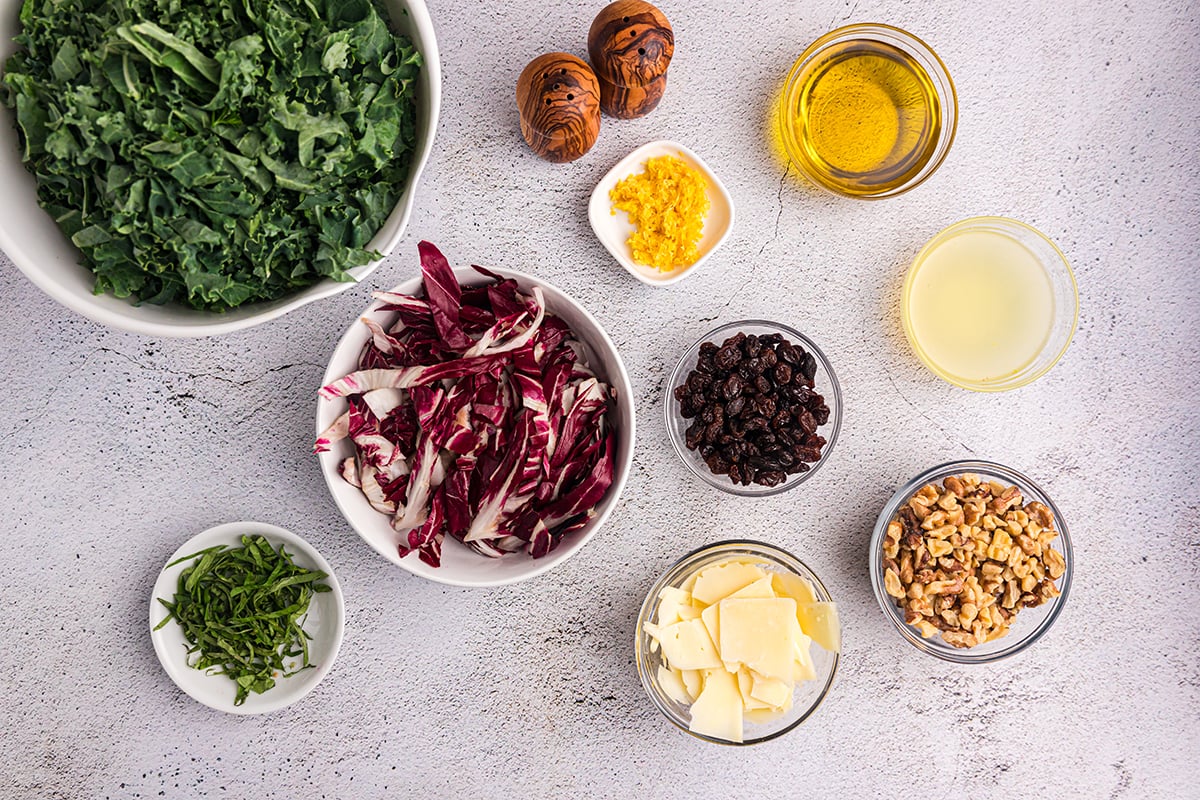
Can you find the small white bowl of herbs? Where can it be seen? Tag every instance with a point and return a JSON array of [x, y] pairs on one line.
[[247, 617]]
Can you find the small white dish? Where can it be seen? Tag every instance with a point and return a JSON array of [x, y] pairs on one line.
[[613, 230], [325, 622]]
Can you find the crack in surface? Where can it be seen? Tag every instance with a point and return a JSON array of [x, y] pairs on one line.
[[779, 213], [930, 419], [164, 371]]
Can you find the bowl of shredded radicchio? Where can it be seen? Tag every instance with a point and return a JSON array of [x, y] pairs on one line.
[[475, 426]]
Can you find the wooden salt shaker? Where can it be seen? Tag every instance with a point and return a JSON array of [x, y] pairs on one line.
[[558, 100], [630, 44]]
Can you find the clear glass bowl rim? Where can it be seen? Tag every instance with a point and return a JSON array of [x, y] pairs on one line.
[[1022, 378], [673, 574], [932, 646], [913, 45], [722, 482]]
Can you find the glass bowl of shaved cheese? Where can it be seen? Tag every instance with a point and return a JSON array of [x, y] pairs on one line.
[[737, 643]]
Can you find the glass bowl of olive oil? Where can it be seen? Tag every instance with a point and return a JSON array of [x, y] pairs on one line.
[[990, 304], [868, 111]]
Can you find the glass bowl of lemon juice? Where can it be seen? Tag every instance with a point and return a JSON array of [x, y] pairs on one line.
[[990, 304]]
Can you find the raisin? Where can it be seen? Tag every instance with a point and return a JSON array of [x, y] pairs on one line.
[[717, 464], [755, 412], [711, 433], [807, 453], [821, 413], [771, 477], [698, 382], [727, 357], [808, 366]]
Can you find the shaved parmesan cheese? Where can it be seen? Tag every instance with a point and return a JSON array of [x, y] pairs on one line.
[[760, 633], [672, 685], [687, 645], [674, 605], [717, 582], [820, 621], [761, 588], [735, 639], [793, 586], [717, 712]]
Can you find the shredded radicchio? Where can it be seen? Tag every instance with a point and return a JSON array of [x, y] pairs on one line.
[[473, 413]]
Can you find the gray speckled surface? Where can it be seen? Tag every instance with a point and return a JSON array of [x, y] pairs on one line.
[[1079, 118]]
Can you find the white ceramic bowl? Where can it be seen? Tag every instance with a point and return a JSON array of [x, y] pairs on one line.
[[613, 230], [39, 249], [460, 565], [325, 622]]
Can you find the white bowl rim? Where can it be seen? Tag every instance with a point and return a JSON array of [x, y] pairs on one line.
[[283, 694], [577, 539], [598, 206], [384, 241]]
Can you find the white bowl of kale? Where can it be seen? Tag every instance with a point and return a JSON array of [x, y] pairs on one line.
[[211, 168]]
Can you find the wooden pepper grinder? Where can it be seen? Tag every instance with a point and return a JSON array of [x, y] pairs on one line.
[[559, 104], [631, 44]]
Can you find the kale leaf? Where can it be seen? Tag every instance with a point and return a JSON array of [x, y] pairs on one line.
[[214, 153]]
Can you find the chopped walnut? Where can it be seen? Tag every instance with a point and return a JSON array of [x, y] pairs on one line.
[[962, 558]]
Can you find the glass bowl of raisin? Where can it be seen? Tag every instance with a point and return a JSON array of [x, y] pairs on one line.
[[754, 408]]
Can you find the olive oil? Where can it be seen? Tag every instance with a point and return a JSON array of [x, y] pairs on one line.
[[979, 306], [863, 117]]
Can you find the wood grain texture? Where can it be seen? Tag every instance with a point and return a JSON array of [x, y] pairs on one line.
[[631, 43], [558, 99], [630, 102]]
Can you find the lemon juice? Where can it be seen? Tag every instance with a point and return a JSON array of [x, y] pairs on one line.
[[979, 305]]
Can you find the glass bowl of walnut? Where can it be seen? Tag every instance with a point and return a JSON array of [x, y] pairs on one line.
[[971, 561]]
